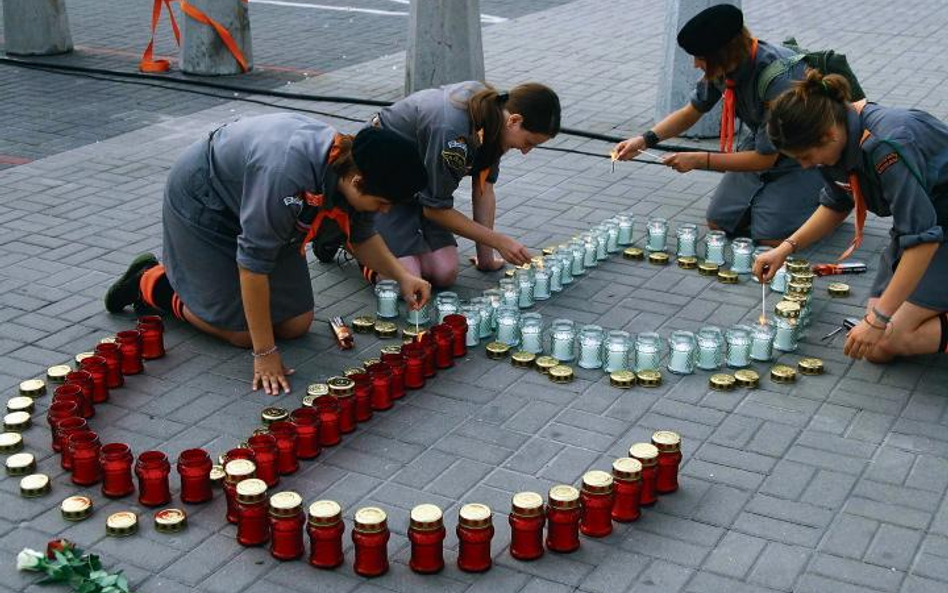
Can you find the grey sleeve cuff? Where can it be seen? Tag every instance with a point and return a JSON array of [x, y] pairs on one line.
[[933, 235]]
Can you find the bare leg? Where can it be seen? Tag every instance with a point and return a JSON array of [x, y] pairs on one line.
[[286, 330], [915, 330], [440, 267]]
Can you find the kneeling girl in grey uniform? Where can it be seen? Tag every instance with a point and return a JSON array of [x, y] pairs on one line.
[[891, 162], [459, 130], [240, 207], [762, 193]]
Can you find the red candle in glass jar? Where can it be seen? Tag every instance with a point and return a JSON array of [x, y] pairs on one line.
[[363, 396], [668, 444], [194, 466], [84, 449], [307, 422], [57, 412], [325, 534], [130, 343], [596, 500], [458, 323], [343, 389], [562, 519], [235, 471], [265, 456], [116, 460], [370, 535], [428, 346], [99, 369], [328, 409], [253, 522], [67, 428], [444, 345], [152, 329], [241, 452], [414, 354], [396, 366], [627, 487], [83, 380], [647, 455], [526, 526], [381, 377], [112, 353], [153, 469], [285, 434], [426, 533], [69, 392], [286, 526], [475, 531]]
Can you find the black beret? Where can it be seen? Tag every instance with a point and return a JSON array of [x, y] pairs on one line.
[[710, 29], [389, 163]]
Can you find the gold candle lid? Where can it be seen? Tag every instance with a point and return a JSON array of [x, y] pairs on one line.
[[370, 361], [108, 340], [649, 378], [318, 389], [57, 373], [722, 382], [341, 386], [11, 442], [787, 309], [287, 503], [728, 277], [838, 289], [121, 524], [352, 371], [545, 363], [273, 414], [806, 276], [510, 272], [385, 329], [597, 482], [474, 515], [82, 356], [217, 475], [810, 366], [633, 253], [170, 521], [658, 258], [622, 379], [497, 350], [747, 378], [17, 421], [251, 490], [34, 485], [564, 496], [363, 324], [707, 268], [802, 288], [549, 250], [308, 400], [561, 374], [238, 469], [411, 333], [391, 350], [523, 359], [646, 453], [325, 512], [688, 263], [20, 403], [34, 387], [20, 464], [627, 468], [666, 441], [370, 520], [76, 508], [781, 373], [797, 264], [426, 517], [526, 504]]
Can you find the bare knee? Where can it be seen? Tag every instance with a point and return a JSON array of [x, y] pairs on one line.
[[295, 327], [443, 278]]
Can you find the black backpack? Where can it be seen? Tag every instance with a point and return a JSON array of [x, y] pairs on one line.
[[826, 61]]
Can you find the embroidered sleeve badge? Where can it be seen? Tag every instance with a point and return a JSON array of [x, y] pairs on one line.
[[886, 162], [455, 155]]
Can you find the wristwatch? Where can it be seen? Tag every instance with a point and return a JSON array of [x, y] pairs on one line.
[[651, 139]]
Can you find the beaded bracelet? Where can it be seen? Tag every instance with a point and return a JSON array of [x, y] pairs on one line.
[[267, 352], [872, 325]]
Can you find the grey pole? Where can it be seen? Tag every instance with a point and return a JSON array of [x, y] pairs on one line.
[[444, 43], [36, 27], [203, 52], [678, 77]]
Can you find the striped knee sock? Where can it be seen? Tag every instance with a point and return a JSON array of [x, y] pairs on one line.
[[157, 292]]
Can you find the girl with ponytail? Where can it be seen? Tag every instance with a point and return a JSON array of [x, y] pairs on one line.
[[884, 160]]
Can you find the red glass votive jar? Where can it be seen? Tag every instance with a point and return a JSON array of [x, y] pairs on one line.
[[67, 428], [325, 531], [153, 469], [444, 345], [99, 369], [130, 343], [381, 377], [526, 526], [286, 526], [458, 323], [112, 353], [562, 519], [343, 389], [84, 449], [307, 422], [285, 434], [414, 354], [83, 379], [475, 531], [396, 365], [69, 392], [253, 521], [668, 444], [647, 455], [596, 500], [265, 456], [116, 460], [427, 342], [152, 329], [240, 452], [363, 396], [329, 411], [370, 535], [627, 487], [426, 533], [194, 466], [57, 412], [235, 471]]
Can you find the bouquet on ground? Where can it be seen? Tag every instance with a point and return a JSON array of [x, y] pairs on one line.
[[64, 563]]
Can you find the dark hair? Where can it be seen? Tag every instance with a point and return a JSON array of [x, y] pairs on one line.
[[345, 167], [802, 115], [536, 103], [729, 56]]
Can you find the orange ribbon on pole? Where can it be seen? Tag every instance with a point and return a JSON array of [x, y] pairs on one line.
[[150, 65]]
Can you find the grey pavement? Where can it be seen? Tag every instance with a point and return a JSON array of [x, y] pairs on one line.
[[835, 483]]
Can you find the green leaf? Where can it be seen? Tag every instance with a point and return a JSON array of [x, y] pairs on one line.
[[122, 582]]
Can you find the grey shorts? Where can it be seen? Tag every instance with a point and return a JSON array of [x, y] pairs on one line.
[[932, 290]]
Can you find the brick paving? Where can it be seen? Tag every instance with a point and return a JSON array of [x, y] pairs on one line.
[[834, 483]]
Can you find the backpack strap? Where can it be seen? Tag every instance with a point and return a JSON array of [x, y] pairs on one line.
[[858, 106], [775, 69]]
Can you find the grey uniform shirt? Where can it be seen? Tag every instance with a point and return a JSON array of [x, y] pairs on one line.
[[258, 168]]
